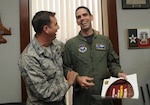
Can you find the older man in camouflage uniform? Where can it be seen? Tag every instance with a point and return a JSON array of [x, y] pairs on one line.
[[41, 64]]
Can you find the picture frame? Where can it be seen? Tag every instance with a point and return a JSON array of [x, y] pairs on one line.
[[135, 4], [138, 38]]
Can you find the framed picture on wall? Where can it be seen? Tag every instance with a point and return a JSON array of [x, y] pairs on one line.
[[138, 38], [135, 4]]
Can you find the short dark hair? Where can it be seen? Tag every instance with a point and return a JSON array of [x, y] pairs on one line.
[[40, 19], [83, 8]]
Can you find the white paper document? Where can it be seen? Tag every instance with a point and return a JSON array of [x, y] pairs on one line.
[[120, 88]]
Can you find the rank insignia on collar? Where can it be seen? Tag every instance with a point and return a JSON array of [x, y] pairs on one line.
[[82, 48], [100, 47]]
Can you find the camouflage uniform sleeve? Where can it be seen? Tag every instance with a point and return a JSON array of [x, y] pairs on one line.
[[37, 81]]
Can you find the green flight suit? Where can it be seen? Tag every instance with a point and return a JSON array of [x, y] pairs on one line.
[[97, 60]]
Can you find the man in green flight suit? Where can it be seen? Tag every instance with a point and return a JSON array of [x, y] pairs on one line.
[[92, 56]]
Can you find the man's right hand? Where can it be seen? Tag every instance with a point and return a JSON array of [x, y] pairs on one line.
[[71, 76], [85, 82]]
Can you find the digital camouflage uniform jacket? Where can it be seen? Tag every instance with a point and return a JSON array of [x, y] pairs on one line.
[[97, 60], [43, 74]]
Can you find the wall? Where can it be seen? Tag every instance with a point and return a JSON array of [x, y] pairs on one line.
[[134, 60], [10, 82]]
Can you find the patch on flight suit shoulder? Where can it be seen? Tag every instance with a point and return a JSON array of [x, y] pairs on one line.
[[82, 48], [100, 46]]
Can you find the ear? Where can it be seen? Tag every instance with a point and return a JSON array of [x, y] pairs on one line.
[[77, 22], [92, 17], [45, 29]]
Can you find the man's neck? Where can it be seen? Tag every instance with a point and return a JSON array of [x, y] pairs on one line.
[[86, 32], [43, 40]]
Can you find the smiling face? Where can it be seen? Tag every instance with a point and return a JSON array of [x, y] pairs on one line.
[[52, 29], [84, 19]]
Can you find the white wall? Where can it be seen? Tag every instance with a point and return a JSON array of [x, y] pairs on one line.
[[10, 82], [134, 60]]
